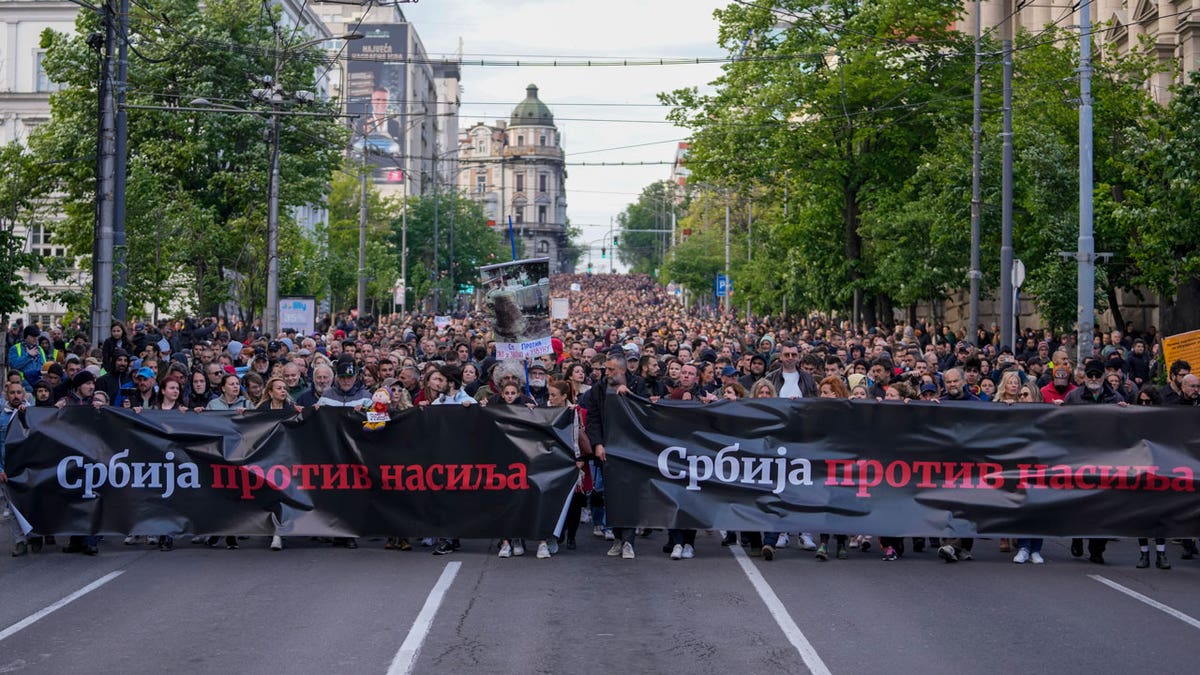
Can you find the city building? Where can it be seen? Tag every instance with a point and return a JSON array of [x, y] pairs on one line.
[[516, 170], [1171, 25], [404, 102]]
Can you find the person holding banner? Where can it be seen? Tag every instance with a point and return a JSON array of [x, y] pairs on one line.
[[613, 383]]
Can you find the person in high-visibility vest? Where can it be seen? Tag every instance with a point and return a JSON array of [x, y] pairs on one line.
[[27, 357]]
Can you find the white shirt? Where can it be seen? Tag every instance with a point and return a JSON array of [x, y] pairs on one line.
[[791, 385]]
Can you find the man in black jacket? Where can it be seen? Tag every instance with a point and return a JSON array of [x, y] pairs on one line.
[[789, 380], [1095, 391], [593, 402]]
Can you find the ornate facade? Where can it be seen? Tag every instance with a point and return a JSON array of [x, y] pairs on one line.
[[515, 169]]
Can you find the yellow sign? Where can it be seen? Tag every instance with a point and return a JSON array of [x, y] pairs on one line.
[[1184, 346]]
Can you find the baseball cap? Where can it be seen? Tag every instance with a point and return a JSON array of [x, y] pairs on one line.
[[1093, 367], [537, 366], [144, 372], [273, 346], [929, 388], [728, 371], [346, 369]]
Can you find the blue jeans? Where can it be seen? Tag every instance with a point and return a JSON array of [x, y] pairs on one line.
[[1034, 545]]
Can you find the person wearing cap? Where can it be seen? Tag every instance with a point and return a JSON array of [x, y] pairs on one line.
[[28, 358], [346, 391], [83, 385], [1095, 391], [538, 383], [1060, 384], [145, 396], [929, 392]]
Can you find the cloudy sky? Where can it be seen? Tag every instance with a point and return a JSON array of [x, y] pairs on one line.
[[543, 29]]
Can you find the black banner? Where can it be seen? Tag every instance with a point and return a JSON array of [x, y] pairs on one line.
[[440, 471], [894, 469]]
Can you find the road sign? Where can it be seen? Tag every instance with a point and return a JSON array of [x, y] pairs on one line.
[[722, 285], [1018, 273], [466, 288]]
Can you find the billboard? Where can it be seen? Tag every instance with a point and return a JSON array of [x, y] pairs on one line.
[[376, 93], [298, 313]]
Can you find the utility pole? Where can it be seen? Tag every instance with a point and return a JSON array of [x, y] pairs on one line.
[[436, 287], [1006, 196], [404, 243], [275, 91], [975, 275], [102, 260], [121, 155], [1086, 254], [727, 279], [362, 230]]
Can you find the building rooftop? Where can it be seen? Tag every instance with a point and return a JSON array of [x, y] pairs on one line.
[[531, 111]]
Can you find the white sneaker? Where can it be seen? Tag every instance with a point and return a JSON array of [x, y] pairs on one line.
[[784, 540], [1036, 558], [427, 541], [152, 540], [1022, 556], [806, 542], [277, 543], [518, 548], [608, 535], [627, 551], [505, 550], [553, 546], [677, 552], [130, 540], [199, 540], [689, 552], [543, 551], [597, 531], [614, 550]]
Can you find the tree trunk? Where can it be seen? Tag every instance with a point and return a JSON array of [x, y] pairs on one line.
[[850, 220], [1118, 318], [1181, 313]]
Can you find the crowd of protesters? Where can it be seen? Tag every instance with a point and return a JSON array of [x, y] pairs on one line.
[[625, 335]]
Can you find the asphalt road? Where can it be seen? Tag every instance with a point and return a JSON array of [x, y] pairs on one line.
[[315, 609]]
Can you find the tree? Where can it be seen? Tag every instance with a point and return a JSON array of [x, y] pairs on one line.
[[197, 181], [334, 272], [643, 251], [21, 197], [832, 99], [475, 244]]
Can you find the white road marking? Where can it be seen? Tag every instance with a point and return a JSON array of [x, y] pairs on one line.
[[42, 613], [1189, 620], [406, 658], [790, 630]]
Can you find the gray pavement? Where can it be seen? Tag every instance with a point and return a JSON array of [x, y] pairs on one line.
[[316, 609]]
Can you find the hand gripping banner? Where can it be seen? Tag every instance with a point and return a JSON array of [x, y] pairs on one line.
[[440, 471], [895, 469]]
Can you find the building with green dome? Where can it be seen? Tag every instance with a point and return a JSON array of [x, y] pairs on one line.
[[515, 168]]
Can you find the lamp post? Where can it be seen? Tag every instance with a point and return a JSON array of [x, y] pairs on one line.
[[274, 94]]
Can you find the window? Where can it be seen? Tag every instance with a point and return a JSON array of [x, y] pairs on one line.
[[45, 321], [521, 181], [42, 82], [40, 243], [519, 212], [543, 246], [480, 146], [481, 183], [542, 214], [520, 141], [543, 180], [542, 140]]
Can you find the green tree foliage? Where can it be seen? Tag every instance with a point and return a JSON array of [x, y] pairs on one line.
[[21, 198], [335, 272], [475, 243], [829, 99], [197, 187], [643, 251], [859, 111]]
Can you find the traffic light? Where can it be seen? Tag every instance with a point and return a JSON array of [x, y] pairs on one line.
[[615, 242], [603, 252]]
